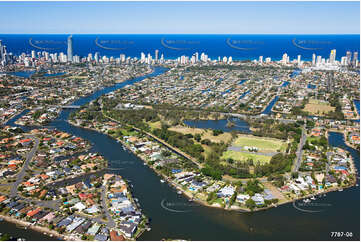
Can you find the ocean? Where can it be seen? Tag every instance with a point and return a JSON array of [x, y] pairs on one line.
[[240, 47]]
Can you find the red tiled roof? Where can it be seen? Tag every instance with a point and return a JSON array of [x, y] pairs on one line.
[[2, 198], [33, 212], [115, 237], [25, 140]]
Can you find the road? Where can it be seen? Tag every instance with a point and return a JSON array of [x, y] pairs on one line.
[[299, 151], [111, 223], [20, 176]]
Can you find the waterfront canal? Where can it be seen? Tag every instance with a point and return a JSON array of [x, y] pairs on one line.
[[174, 217]]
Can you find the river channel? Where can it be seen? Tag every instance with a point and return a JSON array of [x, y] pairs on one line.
[[174, 217]]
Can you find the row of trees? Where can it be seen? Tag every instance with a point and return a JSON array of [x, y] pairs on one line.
[[280, 163], [273, 129], [181, 141]]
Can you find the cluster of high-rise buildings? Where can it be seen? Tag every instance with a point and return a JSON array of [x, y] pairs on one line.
[[148, 59], [195, 58], [319, 61], [5, 57], [345, 60], [183, 60]]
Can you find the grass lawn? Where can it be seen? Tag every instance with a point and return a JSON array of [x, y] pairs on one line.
[[5, 189], [263, 144], [206, 134], [155, 125], [313, 138], [186, 130], [225, 137], [207, 150], [240, 156], [318, 107], [128, 133]]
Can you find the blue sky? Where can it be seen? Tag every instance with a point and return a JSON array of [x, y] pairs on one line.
[[180, 17]]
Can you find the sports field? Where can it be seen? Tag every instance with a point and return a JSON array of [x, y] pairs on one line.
[[318, 107], [242, 156], [267, 147], [263, 144]]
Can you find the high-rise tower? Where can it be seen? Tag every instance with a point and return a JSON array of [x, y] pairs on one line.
[[313, 59], [333, 56], [156, 55], [355, 59], [70, 48], [348, 57]]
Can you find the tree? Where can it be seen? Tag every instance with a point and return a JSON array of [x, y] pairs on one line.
[[211, 196], [253, 186], [233, 199], [250, 204], [217, 132], [230, 160], [197, 137], [166, 153]]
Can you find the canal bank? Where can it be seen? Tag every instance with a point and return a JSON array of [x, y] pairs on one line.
[[204, 223]]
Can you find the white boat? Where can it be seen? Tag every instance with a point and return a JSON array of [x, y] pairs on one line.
[[313, 198], [162, 181], [306, 200], [340, 190], [179, 192]]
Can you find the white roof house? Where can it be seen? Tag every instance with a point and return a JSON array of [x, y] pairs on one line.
[[242, 198], [258, 198], [79, 206], [226, 191]]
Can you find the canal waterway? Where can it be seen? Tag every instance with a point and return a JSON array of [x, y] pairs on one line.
[[174, 217]]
